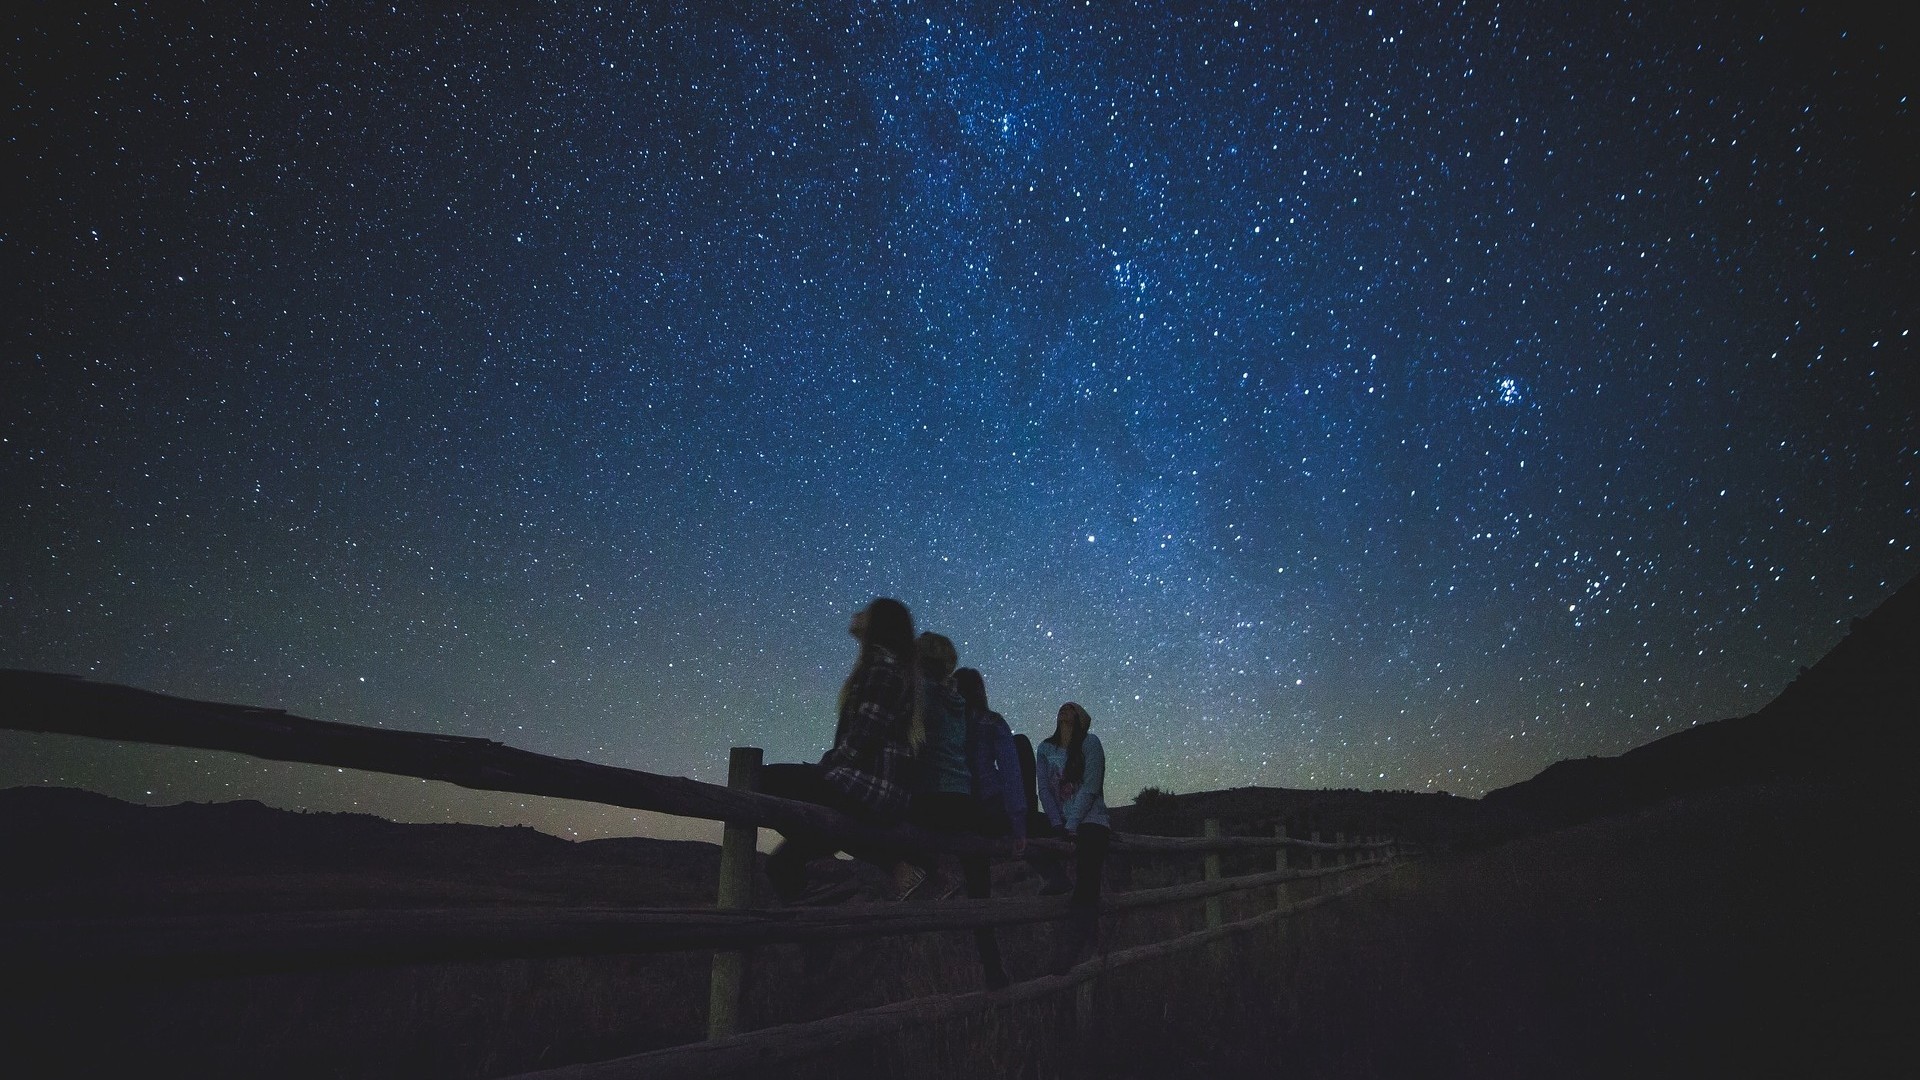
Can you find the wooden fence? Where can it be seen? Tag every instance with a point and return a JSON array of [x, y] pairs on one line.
[[56, 950]]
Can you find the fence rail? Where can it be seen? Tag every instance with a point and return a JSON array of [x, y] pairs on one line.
[[67, 705], [759, 1052], [176, 947], [205, 945]]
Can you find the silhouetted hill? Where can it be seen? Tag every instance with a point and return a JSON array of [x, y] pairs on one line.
[[77, 852], [1421, 819], [1848, 716]]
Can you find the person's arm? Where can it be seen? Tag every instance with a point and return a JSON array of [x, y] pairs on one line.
[[1013, 799], [1024, 747], [1091, 781], [861, 734], [1049, 786]]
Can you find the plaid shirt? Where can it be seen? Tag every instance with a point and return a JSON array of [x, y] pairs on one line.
[[871, 762]]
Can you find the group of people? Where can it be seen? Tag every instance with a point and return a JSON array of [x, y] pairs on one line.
[[916, 742]]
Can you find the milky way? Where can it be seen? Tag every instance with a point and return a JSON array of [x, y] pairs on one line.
[[1324, 396]]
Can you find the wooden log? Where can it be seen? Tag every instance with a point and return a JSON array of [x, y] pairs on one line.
[[1280, 891], [727, 984], [175, 948], [1216, 915], [772, 1051], [67, 705]]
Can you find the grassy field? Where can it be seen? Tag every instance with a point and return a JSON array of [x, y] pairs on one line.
[[1736, 933]]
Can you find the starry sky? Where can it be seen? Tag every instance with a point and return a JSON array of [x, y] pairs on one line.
[[1324, 395]]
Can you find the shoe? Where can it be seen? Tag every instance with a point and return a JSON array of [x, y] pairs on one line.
[[948, 888], [1056, 888], [789, 876], [909, 881], [824, 893]]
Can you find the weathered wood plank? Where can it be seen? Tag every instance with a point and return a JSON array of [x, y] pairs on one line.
[[726, 988], [1210, 871], [761, 1053], [185, 947], [68, 705]]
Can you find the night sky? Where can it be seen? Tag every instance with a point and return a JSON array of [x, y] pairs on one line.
[[1323, 395]]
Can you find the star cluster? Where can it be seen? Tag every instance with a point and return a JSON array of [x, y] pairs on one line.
[[1324, 395]]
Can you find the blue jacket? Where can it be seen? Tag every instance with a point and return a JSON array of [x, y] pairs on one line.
[[994, 765], [1069, 809]]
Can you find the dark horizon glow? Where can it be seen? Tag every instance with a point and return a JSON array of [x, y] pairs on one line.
[[1324, 396]]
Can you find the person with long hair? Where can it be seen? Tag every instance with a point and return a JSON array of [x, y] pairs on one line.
[[946, 802], [995, 772], [1072, 772], [867, 774]]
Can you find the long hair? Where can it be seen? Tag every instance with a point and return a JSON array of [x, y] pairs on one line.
[[936, 656], [888, 626], [973, 688], [1070, 732]]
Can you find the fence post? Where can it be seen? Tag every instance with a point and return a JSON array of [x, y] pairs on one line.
[[1280, 897], [1340, 856], [728, 983], [1215, 909], [1318, 855]]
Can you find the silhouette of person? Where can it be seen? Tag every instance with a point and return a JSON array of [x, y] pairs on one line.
[[1036, 819], [1000, 780], [947, 801], [1071, 767], [867, 774]]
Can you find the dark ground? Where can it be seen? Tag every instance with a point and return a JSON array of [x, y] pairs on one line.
[[1744, 932], [1750, 932]]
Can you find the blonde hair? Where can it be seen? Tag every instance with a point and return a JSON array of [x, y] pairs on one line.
[[935, 657]]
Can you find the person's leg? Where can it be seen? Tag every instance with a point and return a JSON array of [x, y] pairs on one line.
[[937, 811], [1051, 868], [985, 940], [787, 865], [1082, 929], [979, 878], [1090, 861]]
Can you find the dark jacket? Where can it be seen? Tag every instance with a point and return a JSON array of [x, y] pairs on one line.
[[995, 768], [871, 762]]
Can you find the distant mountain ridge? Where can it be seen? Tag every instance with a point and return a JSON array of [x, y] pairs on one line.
[[79, 852], [1424, 819], [1849, 715]]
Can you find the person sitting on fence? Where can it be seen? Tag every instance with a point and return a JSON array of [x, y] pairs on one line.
[[941, 798], [867, 773], [1029, 783], [1072, 774], [946, 802], [994, 769]]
